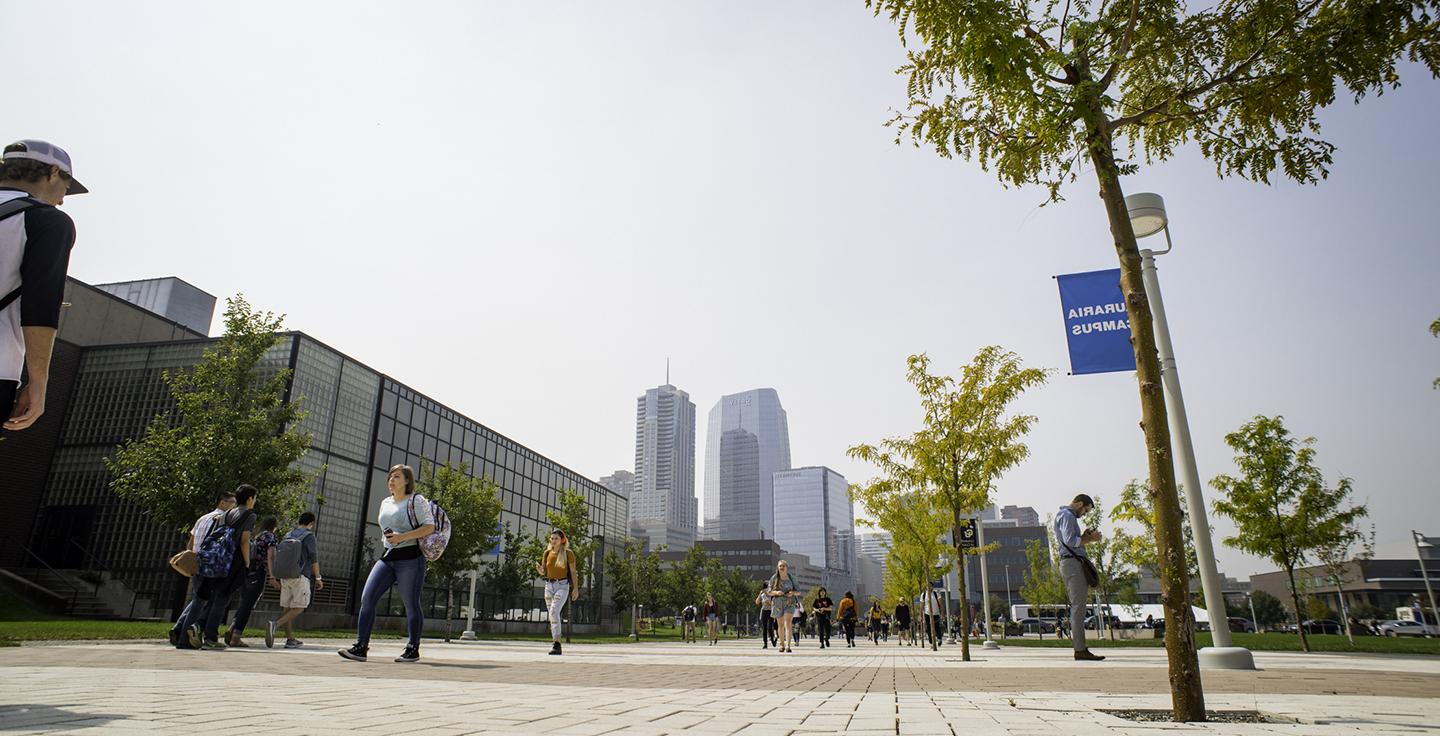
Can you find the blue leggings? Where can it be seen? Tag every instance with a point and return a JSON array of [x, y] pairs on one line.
[[410, 576]]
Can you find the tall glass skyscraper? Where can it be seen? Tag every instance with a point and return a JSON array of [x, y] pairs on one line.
[[663, 505], [747, 442], [814, 517]]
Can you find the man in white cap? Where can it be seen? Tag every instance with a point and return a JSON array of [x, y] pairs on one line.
[[35, 242]]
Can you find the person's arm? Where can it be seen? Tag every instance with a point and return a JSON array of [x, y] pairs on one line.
[[245, 547], [571, 574], [49, 236], [425, 530], [312, 548], [270, 566]]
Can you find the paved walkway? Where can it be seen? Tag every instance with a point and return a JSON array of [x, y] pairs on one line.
[[733, 688]]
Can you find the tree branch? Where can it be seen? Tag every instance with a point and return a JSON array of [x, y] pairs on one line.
[[1124, 46]]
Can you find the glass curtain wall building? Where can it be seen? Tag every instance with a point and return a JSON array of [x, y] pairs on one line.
[[748, 441], [361, 423], [814, 517], [663, 508]]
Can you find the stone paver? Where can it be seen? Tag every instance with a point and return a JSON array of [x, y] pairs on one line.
[[734, 688]]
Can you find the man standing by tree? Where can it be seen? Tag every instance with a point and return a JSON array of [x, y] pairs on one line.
[[35, 242], [1072, 567]]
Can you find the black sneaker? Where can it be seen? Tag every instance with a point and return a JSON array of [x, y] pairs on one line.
[[174, 637], [356, 653], [555, 649], [411, 654]]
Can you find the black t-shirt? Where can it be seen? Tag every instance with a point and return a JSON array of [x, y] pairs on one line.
[[902, 613], [48, 235], [823, 602], [240, 519]]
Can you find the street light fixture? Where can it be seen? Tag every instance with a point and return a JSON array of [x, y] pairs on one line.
[[1148, 217], [1421, 541]]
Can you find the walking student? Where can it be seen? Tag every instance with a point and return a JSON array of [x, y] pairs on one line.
[[687, 633], [297, 567], [404, 519], [934, 622], [767, 622], [902, 621], [711, 613], [783, 594], [261, 553], [847, 617], [876, 614], [797, 630], [558, 569], [217, 590], [1072, 567], [194, 610], [823, 607], [35, 242]]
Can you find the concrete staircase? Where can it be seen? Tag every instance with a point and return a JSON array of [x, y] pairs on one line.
[[85, 598]]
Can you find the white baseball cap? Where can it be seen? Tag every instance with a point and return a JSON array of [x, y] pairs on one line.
[[46, 153]]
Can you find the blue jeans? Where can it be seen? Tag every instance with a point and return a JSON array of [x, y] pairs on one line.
[[410, 576]]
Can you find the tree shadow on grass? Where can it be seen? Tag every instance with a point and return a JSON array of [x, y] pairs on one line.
[[28, 717]]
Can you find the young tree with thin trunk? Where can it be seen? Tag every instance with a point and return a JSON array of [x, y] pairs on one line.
[[1118, 579], [473, 506], [1351, 548], [966, 442], [509, 573], [1033, 90], [1282, 509], [915, 523]]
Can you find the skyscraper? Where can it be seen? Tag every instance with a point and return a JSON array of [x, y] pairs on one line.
[[813, 517], [663, 506], [748, 440], [621, 482]]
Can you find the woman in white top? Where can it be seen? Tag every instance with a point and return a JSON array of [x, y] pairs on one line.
[[405, 518]]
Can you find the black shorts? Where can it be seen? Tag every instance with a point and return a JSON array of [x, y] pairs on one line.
[[8, 389]]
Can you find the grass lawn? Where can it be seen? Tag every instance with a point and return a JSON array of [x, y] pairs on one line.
[[1262, 643]]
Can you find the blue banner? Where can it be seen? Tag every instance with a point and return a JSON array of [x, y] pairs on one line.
[[1096, 324]]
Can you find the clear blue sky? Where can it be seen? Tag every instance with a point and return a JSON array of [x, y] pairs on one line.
[[524, 209]]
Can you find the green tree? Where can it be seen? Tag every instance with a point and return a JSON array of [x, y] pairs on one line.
[[1269, 611], [966, 442], [1032, 93], [473, 506], [230, 425], [1138, 550], [735, 592], [1119, 581], [916, 526], [1282, 509], [1042, 585], [573, 518], [635, 575], [510, 573], [684, 582]]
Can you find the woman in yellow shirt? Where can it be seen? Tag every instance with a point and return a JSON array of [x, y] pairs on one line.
[[557, 566], [847, 615]]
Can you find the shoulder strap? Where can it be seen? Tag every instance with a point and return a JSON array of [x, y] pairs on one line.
[[410, 509], [8, 209]]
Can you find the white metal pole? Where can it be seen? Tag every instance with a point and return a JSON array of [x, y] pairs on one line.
[[469, 633], [1434, 612], [1226, 655], [1250, 598], [984, 586]]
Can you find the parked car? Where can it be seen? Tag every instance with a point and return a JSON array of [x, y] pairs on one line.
[[1405, 628], [1113, 622], [1323, 626], [1243, 625], [1029, 625]]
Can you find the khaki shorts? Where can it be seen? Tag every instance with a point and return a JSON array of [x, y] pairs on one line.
[[295, 593]]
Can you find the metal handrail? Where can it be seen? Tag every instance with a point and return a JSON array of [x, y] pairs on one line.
[[90, 555], [75, 592]]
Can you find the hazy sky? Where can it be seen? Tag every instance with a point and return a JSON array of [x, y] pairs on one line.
[[522, 209]]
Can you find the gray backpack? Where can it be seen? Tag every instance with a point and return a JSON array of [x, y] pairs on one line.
[[290, 557]]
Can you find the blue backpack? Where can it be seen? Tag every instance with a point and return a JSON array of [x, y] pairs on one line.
[[217, 552]]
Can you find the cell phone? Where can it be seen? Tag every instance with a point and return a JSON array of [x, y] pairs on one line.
[[388, 530]]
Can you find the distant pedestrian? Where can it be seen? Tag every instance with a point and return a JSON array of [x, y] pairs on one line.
[[767, 621], [687, 617], [823, 608], [799, 620], [1073, 564], [194, 610], [848, 614], [261, 551], [217, 589], [933, 611], [902, 621], [35, 242], [876, 615], [404, 519], [711, 613], [784, 593], [297, 566]]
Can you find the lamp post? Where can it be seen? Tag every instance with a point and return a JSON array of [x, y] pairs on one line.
[[984, 585], [469, 633], [1147, 217], [1421, 541], [1250, 598]]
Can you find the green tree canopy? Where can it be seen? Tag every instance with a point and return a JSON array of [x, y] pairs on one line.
[[1042, 585], [635, 575], [1282, 509], [473, 507], [1269, 611], [510, 573], [230, 425], [1136, 506]]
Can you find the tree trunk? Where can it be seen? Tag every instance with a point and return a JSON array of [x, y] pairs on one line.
[[449, 601], [1344, 610], [1295, 601], [1186, 696], [960, 591]]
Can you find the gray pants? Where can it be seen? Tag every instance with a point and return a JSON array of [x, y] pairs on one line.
[[1078, 590]]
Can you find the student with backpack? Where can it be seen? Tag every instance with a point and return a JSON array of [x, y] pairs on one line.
[[297, 565], [262, 550], [224, 558], [405, 518], [195, 609]]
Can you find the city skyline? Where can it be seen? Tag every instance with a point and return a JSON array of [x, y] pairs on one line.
[[663, 507], [747, 441]]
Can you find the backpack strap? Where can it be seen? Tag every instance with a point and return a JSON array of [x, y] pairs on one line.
[[8, 209]]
